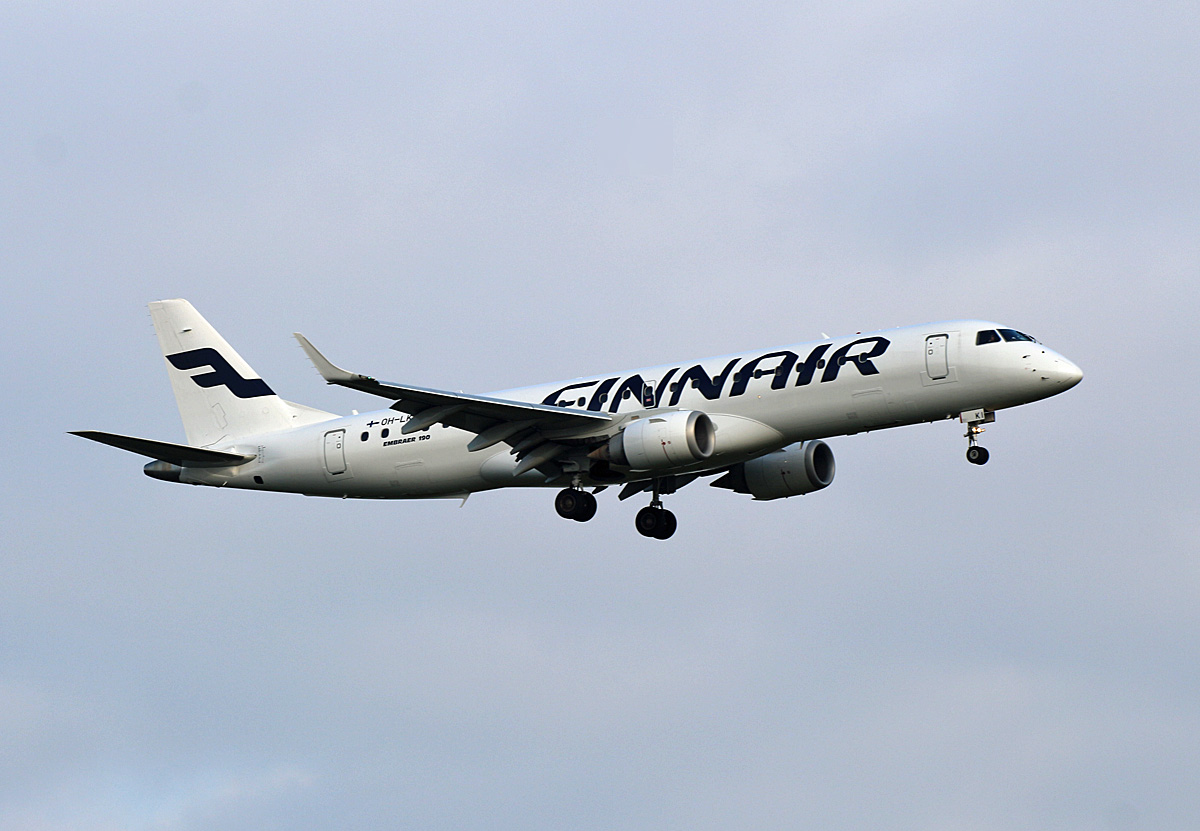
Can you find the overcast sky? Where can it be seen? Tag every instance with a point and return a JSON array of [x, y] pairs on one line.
[[481, 196]]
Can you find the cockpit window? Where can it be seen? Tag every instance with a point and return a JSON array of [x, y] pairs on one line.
[[987, 336], [1013, 334]]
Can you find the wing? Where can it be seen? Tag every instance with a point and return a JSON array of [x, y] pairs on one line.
[[529, 428], [183, 455]]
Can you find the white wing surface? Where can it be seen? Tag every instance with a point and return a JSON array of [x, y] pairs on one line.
[[493, 420]]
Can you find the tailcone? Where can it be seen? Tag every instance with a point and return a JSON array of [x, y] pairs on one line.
[[165, 471]]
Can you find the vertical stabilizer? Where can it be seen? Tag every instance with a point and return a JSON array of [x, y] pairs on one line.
[[219, 395]]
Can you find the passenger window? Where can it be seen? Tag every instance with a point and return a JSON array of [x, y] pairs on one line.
[[987, 336]]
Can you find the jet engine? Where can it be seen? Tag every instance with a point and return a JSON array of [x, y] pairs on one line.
[[793, 471], [669, 440]]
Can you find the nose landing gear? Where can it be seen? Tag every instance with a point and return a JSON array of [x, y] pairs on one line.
[[975, 419]]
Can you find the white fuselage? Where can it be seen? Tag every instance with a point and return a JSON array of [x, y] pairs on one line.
[[758, 401]]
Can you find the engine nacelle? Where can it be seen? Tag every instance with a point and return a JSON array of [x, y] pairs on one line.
[[793, 471], [663, 441]]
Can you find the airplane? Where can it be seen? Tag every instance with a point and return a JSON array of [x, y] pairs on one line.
[[756, 420]]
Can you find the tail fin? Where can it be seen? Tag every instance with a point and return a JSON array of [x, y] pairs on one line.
[[227, 399]]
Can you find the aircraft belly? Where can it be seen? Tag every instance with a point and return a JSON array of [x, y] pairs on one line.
[[497, 471]]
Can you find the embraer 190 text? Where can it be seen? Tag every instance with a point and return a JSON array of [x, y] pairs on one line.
[[753, 420]]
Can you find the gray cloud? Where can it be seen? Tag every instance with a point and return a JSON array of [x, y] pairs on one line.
[[480, 197]]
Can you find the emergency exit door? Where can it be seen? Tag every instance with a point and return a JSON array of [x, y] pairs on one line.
[[936, 363]]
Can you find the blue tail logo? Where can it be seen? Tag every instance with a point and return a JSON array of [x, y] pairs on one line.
[[222, 375]]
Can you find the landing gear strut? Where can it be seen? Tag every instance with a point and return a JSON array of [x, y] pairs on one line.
[[576, 504], [975, 419], [655, 520]]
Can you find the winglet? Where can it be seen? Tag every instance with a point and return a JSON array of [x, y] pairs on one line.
[[332, 373]]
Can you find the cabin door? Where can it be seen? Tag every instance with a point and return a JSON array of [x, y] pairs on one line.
[[335, 451], [936, 363]]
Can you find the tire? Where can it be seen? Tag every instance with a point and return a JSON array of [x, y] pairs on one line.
[[646, 521], [977, 455], [567, 503], [586, 509], [666, 526]]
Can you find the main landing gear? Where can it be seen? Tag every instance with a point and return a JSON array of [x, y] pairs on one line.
[[654, 520], [576, 504]]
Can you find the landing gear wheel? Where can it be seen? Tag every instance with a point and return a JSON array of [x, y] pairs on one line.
[[655, 522], [567, 503], [977, 455], [587, 507], [575, 504], [667, 525], [646, 521]]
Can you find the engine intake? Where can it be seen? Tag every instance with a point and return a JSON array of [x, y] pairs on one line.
[[793, 471], [669, 440]]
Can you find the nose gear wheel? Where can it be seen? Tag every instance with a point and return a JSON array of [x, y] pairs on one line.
[[977, 455]]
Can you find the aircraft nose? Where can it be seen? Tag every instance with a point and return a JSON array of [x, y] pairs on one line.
[[1064, 373]]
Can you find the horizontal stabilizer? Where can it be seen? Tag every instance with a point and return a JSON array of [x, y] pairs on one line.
[[183, 455]]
